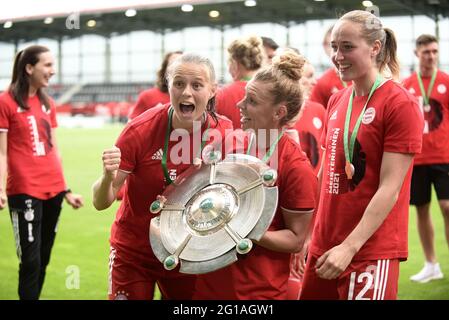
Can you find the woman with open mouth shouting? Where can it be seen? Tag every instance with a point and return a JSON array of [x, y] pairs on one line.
[[143, 157]]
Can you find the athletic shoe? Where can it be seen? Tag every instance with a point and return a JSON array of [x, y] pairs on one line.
[[431, 271]]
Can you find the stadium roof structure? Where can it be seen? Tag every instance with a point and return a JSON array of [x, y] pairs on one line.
[[170, 17]]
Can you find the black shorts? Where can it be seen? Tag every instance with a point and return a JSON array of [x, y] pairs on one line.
[[422, 179]]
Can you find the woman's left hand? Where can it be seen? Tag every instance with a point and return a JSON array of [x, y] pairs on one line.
[[334, 261], [75, 200]]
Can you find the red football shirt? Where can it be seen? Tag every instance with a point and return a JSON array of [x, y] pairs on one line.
[[435, 145], [148, 99], [328, 84], [141, 144], [263, 273], [227, 99], [33, 164], [392, 122], [309, 127]]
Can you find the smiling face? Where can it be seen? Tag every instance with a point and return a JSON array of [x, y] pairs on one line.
[[351, 53], [257, 109], [190, 89], [42, 71]]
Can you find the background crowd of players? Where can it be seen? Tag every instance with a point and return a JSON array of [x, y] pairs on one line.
[[324, 243]]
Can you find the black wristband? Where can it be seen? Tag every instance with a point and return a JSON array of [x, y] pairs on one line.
[[68, 190]]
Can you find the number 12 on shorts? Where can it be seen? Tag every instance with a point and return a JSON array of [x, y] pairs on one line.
[[378, 281]]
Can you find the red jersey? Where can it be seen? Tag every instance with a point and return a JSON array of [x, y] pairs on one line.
[[435, 144], [263, 273], [309, 127], [33, 163], [392, 122], [142, 145], [227, 99], [148, 99], [328, 84]]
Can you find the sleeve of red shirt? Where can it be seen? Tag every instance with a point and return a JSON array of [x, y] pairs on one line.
[[317, 94], [5, 114], [140, 106], [53, 121], [299, 185], [403, 125], [128, 143]]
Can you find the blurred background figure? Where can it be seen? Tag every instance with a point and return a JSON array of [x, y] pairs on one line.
[[330, 81], [431, 86], [246, 56], [31, 164], [159, 94], [270, 47]]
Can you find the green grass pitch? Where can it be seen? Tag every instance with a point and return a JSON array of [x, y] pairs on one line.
[[82, 241]]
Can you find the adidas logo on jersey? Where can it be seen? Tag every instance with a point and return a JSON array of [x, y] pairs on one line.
[[157, 155]]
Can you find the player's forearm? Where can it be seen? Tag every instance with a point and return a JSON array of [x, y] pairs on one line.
[[103, 192], [282, 241]]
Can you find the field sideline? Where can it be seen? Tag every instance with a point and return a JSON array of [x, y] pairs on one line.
[[82, 239]]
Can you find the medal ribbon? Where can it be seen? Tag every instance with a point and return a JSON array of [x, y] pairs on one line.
[[270, 151], [167, 137], [349, 150], [426, 97]]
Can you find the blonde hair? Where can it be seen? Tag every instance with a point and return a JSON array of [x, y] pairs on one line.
[[249, 52], [372, 30], [283, 75]]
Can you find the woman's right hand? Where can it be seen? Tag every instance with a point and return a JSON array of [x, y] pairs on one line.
[[111, 162], [3, 200]]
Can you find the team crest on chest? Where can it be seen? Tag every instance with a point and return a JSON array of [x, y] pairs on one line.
[[317, 122], [369, 115], [441, 89]]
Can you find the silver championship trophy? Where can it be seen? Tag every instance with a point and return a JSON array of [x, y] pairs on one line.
[[209, 214]]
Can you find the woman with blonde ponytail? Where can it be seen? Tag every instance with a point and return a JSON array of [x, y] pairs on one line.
[[245, 56], [371, 133], [272, 101]]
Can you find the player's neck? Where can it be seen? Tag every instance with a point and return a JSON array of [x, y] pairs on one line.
[[426, 71], [32, 91], [187, 125], [363, 85]]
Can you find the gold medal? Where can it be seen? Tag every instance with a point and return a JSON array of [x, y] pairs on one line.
[[349, 169]]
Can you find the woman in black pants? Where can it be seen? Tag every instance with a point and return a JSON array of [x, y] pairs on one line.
[[31, 166]]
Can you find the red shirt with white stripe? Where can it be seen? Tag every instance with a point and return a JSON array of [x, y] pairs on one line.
[[141, 144], [34, 167], [148, 99], [392, 122], [328, 84], [435, 147], [227, 99], [309, 127], [263, 273]]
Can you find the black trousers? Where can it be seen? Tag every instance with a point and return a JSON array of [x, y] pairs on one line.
[[34, 222]]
